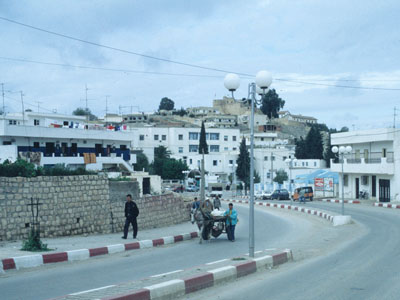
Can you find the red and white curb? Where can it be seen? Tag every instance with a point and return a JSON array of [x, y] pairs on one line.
[[176, 288], [387, 205], [335, 220], [340, 201], [30, 261]]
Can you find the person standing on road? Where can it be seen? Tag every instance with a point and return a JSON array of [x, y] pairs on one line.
[[302, 196], [217, 202], [131, 213], [231, 222]]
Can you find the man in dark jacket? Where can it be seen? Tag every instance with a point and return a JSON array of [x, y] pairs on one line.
[[131, 213]]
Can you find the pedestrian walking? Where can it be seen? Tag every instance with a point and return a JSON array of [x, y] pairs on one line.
[[231, 222], [217, 202], [195, 206], [131, 213]]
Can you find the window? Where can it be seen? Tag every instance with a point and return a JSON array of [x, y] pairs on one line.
[[231, 161], [180, 137], [265, 158], [226, 148], [262, 139], [234, 148], [284, 158], [190, 161], [364, 180], [65, 123], [273, 158], [36, 122], [141, 137], [215, 163], [384, 152], [156, 137], [194, 136], [225, 138], [234, 138], [193, 148], [180, 149], [214, 148], [315, 163], [306, 163], [214, 136], [268, 175], [12, 122], [346, 180], [36, 145], [164, 137]]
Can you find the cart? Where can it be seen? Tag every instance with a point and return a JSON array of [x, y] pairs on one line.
[[213, 225]]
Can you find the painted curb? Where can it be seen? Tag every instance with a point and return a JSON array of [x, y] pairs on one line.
[[340, 201], [179, 287], [31, 261], [387, 205], [309, 211]]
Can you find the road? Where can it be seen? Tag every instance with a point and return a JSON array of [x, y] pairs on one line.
[[365, 268], [278, 230]]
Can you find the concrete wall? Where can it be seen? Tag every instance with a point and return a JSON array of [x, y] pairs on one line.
[[73, 205]]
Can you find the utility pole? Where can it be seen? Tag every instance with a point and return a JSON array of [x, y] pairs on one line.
[[87, 109], [23, 109], [106, 107], [2, 92], [272, 170], [38, 105]]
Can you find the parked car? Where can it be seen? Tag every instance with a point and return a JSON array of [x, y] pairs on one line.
[[308, 193], [263, 195], [179, 189], [281, 194], [192, 188]]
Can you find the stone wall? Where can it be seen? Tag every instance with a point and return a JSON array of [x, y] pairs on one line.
[[74, 205]]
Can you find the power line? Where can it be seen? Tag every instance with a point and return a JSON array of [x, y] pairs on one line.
[[183, 63], [106, 69]]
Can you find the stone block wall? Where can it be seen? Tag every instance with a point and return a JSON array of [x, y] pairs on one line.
[[74, 205]]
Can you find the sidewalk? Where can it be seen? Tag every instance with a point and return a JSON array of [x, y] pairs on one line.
[[99, 244]]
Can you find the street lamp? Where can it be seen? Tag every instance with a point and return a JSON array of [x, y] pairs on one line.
[[290, 162], [342, 150], [232, 83]]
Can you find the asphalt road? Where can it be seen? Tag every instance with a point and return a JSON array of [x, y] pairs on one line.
[[278, 230], [365, 268]]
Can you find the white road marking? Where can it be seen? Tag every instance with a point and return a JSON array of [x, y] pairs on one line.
[[160, 275], [257, 252], [217, 261], [88, 291]]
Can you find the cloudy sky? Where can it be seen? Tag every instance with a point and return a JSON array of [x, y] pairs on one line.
[[315, 44]]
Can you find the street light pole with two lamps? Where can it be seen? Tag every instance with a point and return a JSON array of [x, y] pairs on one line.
[[232, 83], [342, 150]]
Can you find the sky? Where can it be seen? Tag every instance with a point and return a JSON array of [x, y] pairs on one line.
[[341, 57]]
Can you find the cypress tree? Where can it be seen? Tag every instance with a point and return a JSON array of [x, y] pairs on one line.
[[203, 148], [243, 164]]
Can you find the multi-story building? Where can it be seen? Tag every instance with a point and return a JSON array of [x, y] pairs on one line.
[[372, 164], [183, 143], [65, 139]]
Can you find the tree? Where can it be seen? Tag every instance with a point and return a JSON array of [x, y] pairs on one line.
[[180, 112], [243, 164], [166, 167], [84, 112], [257, 178], [271, 104], [314, 145], [142, 163], [281, 176], [203, 147], [301, 149], [166, 104], [328, 155]]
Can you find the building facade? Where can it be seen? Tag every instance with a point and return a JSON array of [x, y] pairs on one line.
[[371, 166]]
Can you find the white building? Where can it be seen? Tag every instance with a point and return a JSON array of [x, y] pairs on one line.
[[183, 143], [50, 139], [372, 164]]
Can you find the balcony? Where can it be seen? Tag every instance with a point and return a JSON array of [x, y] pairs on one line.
[[371, 165]]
